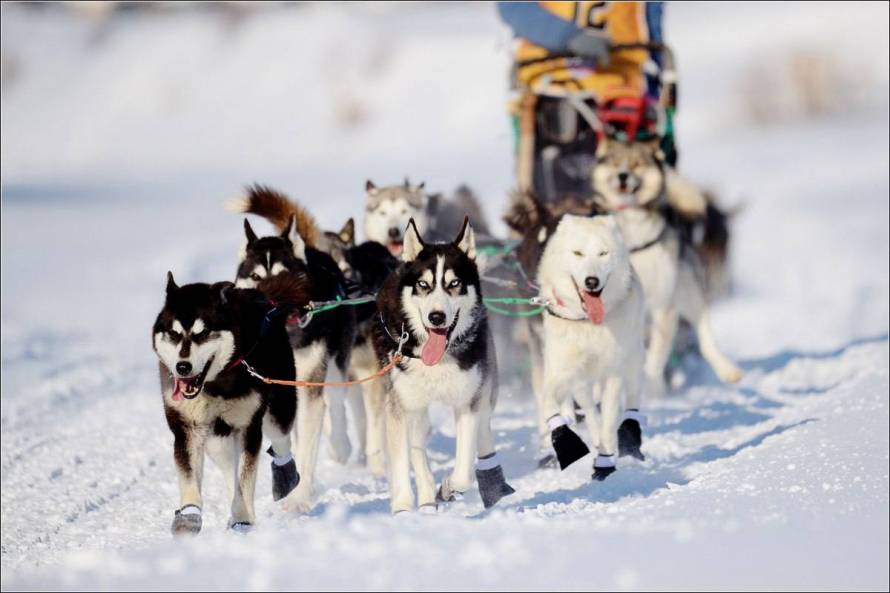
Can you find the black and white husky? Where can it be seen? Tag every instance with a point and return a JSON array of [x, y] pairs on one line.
[[431, 311], [365, 267], [316, 344], [212, 404]]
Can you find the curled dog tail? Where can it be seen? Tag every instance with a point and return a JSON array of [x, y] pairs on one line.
[[275, 207], [525, 212], [287, 290]]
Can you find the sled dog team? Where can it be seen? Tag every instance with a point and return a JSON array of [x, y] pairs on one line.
[[403, 324]]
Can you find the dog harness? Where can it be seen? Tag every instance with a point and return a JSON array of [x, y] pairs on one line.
[[651, 242]]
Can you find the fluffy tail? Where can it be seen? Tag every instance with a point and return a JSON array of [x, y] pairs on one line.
[[683, 196], [286, 289], [277, 209], [525, 212], [466, 200]]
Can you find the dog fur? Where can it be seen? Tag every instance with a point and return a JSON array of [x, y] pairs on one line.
[[435, 300], [631, 180], [585, 264], [223, 411], [315, 347]]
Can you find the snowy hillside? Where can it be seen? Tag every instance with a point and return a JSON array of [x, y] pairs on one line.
[[120, 140]]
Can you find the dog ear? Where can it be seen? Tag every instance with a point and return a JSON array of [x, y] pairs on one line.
[[347, 233], [466, 239], [249, 237], [407, 182], [370, 187], [291, 235], [421, 185], [171, 283], [248, 232], [413, 244]]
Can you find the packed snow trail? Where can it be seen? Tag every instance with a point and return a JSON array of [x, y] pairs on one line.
[[780, 481]]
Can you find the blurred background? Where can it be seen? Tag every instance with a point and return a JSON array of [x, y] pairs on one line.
[[126, 125]]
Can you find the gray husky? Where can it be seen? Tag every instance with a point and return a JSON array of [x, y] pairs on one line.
[[632, 181]]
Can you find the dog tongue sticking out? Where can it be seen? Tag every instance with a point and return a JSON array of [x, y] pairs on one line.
[[593, 305], [395, 247], [434, 348]]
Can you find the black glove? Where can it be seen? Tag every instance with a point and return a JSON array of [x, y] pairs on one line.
[[591, 44]]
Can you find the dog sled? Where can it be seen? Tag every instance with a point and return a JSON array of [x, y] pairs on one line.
[[563, 107]]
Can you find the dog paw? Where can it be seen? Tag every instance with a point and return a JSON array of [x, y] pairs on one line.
[[568, 446], [186, 521], [430, 508], [284, 479], [493, 485], [630, 439], [447, 494], [601, 473], [298, 501], [730, 374]]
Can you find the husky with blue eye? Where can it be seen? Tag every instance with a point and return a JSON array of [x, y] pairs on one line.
[[202, 337], [431, 311]]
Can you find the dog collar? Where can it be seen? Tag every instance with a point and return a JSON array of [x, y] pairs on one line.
[[271, 314], [560, 302], [395, 341]]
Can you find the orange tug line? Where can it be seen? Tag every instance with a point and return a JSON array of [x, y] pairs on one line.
[[393, 361]]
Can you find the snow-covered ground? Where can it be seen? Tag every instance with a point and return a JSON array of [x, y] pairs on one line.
[[121, 139]]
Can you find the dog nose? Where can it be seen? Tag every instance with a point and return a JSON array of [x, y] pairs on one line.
[[623, 177], [183, 367], [592, 282], [395, 232], [436, 318]]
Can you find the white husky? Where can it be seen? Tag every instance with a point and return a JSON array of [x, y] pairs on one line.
[[593, 334]]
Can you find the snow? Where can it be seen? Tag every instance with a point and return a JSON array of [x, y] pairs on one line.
[[120, 142]]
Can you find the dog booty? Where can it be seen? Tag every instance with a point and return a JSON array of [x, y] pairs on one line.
[[568, 446], [630, 439], [603, 467], [284, 476], [493, 485], [186, 521]]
